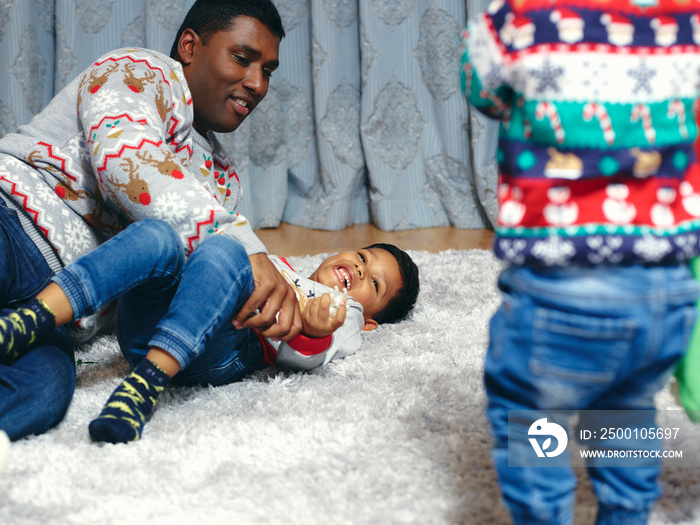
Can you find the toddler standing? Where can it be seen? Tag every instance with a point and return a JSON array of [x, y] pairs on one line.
[[599, 201]]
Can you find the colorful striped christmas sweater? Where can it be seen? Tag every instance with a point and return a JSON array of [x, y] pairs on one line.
[[596, 101]]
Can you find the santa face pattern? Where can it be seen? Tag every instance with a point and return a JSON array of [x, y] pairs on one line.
[[596, 102]]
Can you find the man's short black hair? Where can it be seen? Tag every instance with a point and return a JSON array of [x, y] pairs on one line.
[[398, 308], [207, 17]]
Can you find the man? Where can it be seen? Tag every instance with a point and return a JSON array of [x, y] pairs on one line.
[[129, 139]]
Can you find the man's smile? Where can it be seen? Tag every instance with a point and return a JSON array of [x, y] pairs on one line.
[[241, 106]]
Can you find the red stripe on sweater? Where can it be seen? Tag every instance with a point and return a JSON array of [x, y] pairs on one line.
[[308, 346], [285, 261], [25, 205], [193, 238]]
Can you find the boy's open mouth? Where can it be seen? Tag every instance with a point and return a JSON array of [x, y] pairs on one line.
[[344, 276]]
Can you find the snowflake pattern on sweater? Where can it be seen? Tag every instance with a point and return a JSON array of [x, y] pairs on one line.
[[597, 104]]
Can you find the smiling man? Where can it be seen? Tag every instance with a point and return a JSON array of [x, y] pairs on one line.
[[228, 71], [131, 138]]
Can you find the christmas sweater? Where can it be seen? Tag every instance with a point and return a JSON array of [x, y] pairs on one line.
[[115, 146], [596, 102], [305, 353]]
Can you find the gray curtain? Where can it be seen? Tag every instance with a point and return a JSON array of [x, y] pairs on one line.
[[364, 120]]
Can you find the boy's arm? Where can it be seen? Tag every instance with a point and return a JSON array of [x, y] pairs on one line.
[[482, 74], [319, 320], [304, 352]]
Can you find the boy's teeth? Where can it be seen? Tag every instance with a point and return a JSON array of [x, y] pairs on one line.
[[344, 275]]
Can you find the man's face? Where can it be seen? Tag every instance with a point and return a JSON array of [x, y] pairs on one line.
[[372, 277], [229, 75]]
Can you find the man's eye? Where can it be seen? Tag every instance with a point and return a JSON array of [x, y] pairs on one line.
[[241, 60], [267, 73]]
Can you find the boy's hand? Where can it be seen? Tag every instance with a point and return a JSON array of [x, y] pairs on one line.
[[279, 316], [317, 319]]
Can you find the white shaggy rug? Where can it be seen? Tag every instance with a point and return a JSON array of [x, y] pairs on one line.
[[394, 434]]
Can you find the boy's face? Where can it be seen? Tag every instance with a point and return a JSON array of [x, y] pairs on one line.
[[229, 75], [372, 277]]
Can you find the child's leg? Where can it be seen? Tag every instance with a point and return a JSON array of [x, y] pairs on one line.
[[627, 494], [124, 415], [21, 328], [146, 250], [532, 493], [583, 339], [216, 281]]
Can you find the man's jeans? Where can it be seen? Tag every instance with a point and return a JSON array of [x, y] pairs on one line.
[[583, 339], [182, 307], [35, 390]]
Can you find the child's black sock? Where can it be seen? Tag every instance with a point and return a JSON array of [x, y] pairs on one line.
[[21, 328], [124, 415]]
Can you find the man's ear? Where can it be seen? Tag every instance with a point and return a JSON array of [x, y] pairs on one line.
[[370, 324], [185, 46]]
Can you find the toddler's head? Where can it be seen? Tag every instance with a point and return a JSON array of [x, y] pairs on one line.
[[381, 277]]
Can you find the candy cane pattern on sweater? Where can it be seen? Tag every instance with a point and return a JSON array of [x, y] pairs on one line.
[[506, 119], [495, 99], [642, 112], [468, 72], [527, 129], [593, 109], [677, 109], [485, 94], [549, 110]]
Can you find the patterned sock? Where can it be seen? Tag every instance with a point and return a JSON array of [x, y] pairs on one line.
[[123, 417], [21, 328]]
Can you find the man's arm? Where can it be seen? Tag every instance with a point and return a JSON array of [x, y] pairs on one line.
[[135, 109], [279, 316]]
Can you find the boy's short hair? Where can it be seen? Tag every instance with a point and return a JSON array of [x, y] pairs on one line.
[[207, 17], [398, 308]]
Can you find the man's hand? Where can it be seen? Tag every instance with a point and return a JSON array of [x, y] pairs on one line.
[[272, 296], [317, 317]]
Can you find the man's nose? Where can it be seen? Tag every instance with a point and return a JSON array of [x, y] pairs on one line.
[[254, 81]]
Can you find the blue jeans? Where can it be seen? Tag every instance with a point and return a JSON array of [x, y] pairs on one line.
[[35, 390], [145, 267], [583, 339], [183, 307]]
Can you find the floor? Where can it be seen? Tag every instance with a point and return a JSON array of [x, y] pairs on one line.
[[289, 240]]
